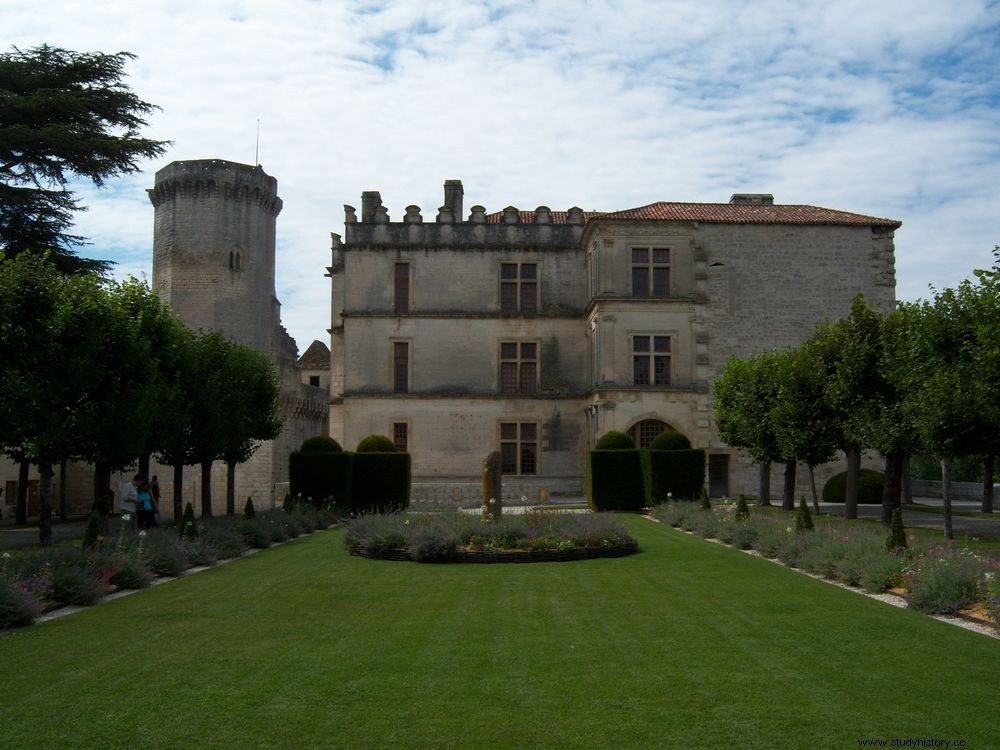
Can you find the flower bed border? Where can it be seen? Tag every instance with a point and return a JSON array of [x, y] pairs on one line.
[[466, 555]]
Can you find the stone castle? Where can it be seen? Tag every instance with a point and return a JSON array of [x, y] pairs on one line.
[[530, 333]]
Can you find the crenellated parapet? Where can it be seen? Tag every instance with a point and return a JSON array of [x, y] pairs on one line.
[[210, 178]]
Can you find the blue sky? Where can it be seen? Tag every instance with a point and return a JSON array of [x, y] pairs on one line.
[[889, 109]]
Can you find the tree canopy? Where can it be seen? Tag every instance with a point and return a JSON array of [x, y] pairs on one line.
[[63, 114]]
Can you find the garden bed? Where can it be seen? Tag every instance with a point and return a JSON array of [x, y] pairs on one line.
[[478, 554]]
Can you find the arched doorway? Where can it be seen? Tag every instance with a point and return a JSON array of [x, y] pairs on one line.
[[645, 431]]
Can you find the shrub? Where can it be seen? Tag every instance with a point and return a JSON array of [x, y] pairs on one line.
[[199, 553], [93, 531], [614, 480], [670, 440], [615, 441], [248, 509], [744, 535], [803, 518], [17, 607], [869, 488], [256, 532], [188, 528], [376, 444], [705, 503], [883, 572], [72, 585], [322, 477], [823, 556], [670, 513], [224, 538], [679, 474], [131, 575], [742, 509], [432, 543], [380, 482], [944, 584], [320, 444], [164, 554], [896, 540]]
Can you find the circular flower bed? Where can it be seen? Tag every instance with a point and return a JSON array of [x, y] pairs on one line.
[[459, 537]]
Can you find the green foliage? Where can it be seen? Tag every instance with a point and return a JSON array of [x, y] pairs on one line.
[[615, 480], [803, 518], [17, 607], [188, 529], [75, 585], [380, 482], [945, 583], [66, 115], [669, 440], [963, 468], [704, 502], [376, 444], [896, 541], [320, 479], [742, 509], [92, 532], [131, 574], [615, 441], [676, 474], [248, 509], [869, 488], [163, 553], [320, 444], [745, 395]]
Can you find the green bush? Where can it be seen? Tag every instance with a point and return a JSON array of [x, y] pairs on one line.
[[677, 474], [17, 607], [803, 518], [321, 479], [376, 444], [869, 488], [256, 532], [72, 585], [615, 441], [93, 531], [896, 540], [224, 538], [188, 528], [742, 509], [248, 510], [131, 575], [380, 482], [945, 584], [432, 543], [614, 479], [670, 440], [320, 444], [164, 553]]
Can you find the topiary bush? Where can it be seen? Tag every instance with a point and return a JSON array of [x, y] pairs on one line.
[[869, 488], [670, 440], [320, 479], [803, 518], [93, 531], [673, 475], [896, 541], [320, 444], [376, 444], [188, 529], [380, 482], [742, 509], [248, 510], [615, 441], [614, 479]]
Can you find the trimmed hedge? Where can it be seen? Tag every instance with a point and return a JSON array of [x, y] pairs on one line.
[[670, 440], [614, 480], [376, 444], [615, 441], [380, 482], [678, 472], [320, 444], [869, 488], [321, 476]]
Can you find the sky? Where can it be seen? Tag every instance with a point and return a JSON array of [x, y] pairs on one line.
[[887, 108]]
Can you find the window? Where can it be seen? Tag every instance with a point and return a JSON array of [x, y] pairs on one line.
[[401, 367], [651, 360], [518, 448], [645, 431], [518, 287], [651, 272], [314, 380], [401, 289], [518, 367], [401, 435]]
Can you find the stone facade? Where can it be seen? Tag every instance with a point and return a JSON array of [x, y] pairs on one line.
[[427, 345]]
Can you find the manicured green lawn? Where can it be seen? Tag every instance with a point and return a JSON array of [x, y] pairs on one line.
[[687, 644]]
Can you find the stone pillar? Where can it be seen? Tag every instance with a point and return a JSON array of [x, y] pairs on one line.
[[492, 490]]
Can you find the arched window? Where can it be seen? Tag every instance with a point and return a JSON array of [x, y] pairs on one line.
[[643, 432], [231, 266], [237, 261]]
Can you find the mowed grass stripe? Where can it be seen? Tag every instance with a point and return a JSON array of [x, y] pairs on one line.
[[685, 644]]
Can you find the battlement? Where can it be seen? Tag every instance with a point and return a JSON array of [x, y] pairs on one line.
[[216, 177], [510, 227]]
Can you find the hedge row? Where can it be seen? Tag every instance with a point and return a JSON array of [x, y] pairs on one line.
[[358, 482], [630, 479]]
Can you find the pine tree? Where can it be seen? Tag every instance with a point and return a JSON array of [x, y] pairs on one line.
[[896, 540], [742, 509], [188, 530], [803, 519], [248, 509]]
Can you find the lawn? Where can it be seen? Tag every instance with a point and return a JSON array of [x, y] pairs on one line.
[[686, 644]]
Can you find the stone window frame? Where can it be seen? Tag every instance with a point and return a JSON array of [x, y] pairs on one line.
[[523, 384], [649, 265], [400, 436], [396, 308], [644, 347], [394, 349], [315, 384], [644, 430], [518, 282], [519, 447]]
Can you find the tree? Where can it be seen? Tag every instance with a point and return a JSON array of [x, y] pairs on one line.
[[63, 114], [205, 386]]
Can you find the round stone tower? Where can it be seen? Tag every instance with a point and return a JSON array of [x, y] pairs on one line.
[[213, 247]]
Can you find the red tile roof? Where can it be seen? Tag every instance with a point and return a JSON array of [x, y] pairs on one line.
[[528, 217]]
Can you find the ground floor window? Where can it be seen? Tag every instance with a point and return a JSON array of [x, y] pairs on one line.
[[401, 436], [643, 432], [518, 448]]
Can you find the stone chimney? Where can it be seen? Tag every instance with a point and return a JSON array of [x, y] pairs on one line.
[[453, 194], [753, 199], [370, 200]]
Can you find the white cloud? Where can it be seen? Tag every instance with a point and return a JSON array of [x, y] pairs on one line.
[[883, 108]]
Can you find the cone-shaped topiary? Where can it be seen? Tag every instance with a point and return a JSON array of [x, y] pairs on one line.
[[93, 531], [706, 504], [376, 444], [188, 528], [742, 509], [670, 440], [896, 540], [803, 519], [248, 509], [615, 441], [320, 444]]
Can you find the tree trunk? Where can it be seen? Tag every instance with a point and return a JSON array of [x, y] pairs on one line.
[[812, 486], [230, 488], [206, 489], [853, 474], [989, 462], [144, 464], [891, 487], [764, 483], [178, 492], [946, 493], [22, 493], [788, 493], [102, 487], [906, 479], [62, 490], [45, 503]]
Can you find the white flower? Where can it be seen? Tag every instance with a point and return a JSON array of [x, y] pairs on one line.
[[493, 501], [142, 533], [126, 517], [670, 494], [6, 555], [524, 499], [789, 529]]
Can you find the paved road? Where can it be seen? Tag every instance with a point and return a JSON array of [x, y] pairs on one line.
[[979, 528]]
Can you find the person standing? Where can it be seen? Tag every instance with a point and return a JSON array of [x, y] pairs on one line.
[[144, 505], [154, 488], [127, 499]]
